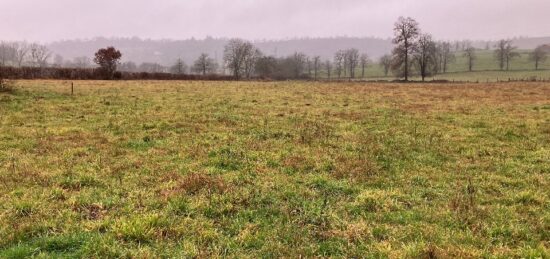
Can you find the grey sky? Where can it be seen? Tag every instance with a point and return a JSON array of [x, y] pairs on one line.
[[48, 20]]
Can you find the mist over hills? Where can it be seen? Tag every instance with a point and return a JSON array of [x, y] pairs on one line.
[[166, 52]]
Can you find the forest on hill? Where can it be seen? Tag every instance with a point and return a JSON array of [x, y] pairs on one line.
[[166, 52]]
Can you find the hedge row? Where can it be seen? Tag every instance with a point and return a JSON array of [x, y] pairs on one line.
[[94, 74]]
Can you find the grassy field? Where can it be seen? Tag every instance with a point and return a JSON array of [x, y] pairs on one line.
[[274, 169], [485, 69]]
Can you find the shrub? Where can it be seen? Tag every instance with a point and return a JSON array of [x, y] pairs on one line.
[[96, 74]]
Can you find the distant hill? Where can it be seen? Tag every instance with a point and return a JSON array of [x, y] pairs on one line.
[[531, 43], [165, 52]]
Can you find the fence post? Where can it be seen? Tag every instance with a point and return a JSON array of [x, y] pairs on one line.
[[72, 88]]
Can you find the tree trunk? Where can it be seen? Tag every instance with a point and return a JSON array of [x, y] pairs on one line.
[[406, 59]]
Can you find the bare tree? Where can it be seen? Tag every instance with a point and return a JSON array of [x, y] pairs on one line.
[[446, 56], [504, 53], [339, 62], [22, 49], [538, 56], [465, 44], [385, 63], [250, 62], [470, 55], [236, 54], [364, 62], [266, 67], [457, 45], [298, 63], [82, 62], [351, 58], [179, 67], [309, 66], [7, 53], [204, 65], [500, 53], [316, 66], [58, 60], [149, 67], [406, 32], [128, 66], [39, 55], [425, 55], [328, 68]]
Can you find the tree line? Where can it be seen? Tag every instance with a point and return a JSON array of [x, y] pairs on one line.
[[417, 51], [414, 54]]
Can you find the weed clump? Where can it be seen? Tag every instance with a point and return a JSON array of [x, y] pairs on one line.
[[310, 131], [194, 183], [24, 209], [6, 86], [465, 206]]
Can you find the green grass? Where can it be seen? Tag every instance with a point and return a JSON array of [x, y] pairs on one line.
[[485, 69], [274, 169], [486, 61]]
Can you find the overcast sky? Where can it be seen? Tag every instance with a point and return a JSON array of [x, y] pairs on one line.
[[49, 20]]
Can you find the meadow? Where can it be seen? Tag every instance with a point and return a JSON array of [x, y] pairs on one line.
[[176, 169], [485, 69]]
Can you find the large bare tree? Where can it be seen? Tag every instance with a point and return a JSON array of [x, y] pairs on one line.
[[538, 56], [235, 57], [425, 55], [505, 52], [406, 31]]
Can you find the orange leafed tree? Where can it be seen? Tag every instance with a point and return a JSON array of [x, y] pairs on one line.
[[108, 59]]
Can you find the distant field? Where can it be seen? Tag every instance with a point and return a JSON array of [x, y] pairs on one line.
[[485, 69], [275, 169]]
